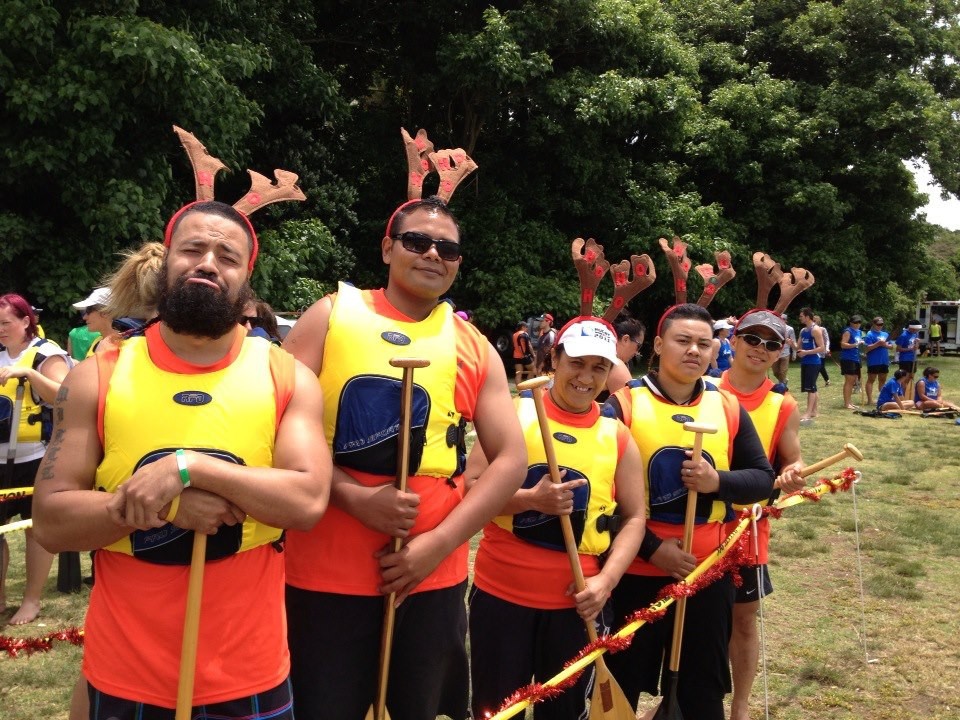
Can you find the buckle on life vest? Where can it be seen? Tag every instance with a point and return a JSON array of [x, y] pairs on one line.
[[609, 523]]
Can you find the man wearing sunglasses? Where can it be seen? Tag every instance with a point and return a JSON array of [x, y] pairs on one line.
[[339, 573], [757, 341]]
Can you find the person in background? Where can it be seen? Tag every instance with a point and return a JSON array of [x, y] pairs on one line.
[[522, 354], [260, 321], [546, 337], [630, 336], [722, 352], [908, 343], [935, 334], [43, 366], [811, 345], [878, 346], [788, 352], [850, 343], [826, 351], [928, 395], [79, 340], [97, 320], [891, 392]]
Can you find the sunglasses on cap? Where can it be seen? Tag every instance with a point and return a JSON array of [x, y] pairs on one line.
[[419, 243], [756, 341]]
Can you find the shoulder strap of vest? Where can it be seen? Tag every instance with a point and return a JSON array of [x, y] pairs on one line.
[[283, 370], [106, 364], [731, 409]]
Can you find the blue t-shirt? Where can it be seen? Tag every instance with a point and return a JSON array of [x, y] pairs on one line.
[[880, 355], [905, 340], [807, 342], [852, 354], [931, 388], [887, 392], [724, 355]]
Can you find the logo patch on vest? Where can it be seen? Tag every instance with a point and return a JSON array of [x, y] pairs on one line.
[[564, 438], [395, 338], [682, 418], [192, 398]]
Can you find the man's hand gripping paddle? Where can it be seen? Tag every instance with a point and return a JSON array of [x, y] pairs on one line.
[[669, 708], [378, 711], [608, 701], [849, 450]]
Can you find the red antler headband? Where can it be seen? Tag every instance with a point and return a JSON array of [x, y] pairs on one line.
[[262, 191], [451, 165]]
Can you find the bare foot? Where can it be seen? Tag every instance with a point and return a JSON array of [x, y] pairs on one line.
[[27, 613]]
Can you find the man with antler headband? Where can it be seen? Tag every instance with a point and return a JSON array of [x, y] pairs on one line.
[[733, 468], [757, 340], [191, 427], [338, 574]]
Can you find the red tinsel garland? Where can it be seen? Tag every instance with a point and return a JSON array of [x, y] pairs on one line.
[[15, 646]]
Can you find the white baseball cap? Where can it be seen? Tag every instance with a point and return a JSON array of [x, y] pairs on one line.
[[722, 325], [589, 337], [99, 296]]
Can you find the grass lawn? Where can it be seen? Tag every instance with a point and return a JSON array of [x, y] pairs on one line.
[[909, 516]]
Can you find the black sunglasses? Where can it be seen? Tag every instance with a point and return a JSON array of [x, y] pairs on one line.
[[419, 243], [252, 319], [756, 340], [91, 309]]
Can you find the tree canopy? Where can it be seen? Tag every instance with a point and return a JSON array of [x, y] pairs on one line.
[[779, 125]]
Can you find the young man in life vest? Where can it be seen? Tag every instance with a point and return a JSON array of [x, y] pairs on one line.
[[190, 427], [758, 338], [732, 469], [338, 574]]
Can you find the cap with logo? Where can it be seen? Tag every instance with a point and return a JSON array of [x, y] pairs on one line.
[[589, 336]]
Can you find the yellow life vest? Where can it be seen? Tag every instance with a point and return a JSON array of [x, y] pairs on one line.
[[589, 453], [657, 427], [149, 413], [35, 420], [765, 417], [361, 390]]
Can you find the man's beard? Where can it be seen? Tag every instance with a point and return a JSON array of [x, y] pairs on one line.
[[197, 309]]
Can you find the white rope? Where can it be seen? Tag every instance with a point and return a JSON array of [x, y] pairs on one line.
[[863, 610], [757, 511]]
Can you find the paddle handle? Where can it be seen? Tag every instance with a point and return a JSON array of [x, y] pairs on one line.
[[688, 523], [14, 437], [849, 450], [569, 541], [191, 628], [403, 472]]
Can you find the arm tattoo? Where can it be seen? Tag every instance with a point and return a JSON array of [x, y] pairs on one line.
[[50, 457], [60, 401]]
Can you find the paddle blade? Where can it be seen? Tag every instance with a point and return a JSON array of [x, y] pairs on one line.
[[608, 701], [372, 714], [669, 707]]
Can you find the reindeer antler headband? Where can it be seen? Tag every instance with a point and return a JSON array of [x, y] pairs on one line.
[[592, 266], [769, 274], [680, 267], [451, 165], [262, 191]]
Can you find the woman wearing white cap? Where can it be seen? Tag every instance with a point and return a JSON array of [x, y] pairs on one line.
[[526, 618], [98, 321], [722, 352]]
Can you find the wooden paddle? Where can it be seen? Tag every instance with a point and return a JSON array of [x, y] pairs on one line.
[[849, 450], [191, 628], [378, 711], [669, 708], [607, 701]]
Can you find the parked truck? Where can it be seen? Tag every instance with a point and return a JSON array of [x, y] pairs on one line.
[[945, 312]]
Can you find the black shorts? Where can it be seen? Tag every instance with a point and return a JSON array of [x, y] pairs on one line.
[[511, 645], [878, 369], [23, 476], [335, 654], [747, 592], [910, 366], [808, 377], [276, 704], [704, 668], [849, 367]]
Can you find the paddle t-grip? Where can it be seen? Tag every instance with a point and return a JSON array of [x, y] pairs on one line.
[[849, 450]]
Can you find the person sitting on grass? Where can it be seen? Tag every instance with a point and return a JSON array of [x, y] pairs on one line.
[[892, 391], [928, 395]]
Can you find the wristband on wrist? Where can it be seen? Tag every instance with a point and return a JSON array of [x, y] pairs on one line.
[[649, 545], [182, 467]]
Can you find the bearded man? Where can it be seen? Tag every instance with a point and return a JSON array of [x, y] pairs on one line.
[[189, 427]]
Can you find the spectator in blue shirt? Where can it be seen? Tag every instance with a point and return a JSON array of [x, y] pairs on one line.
[[892, 391], [878, 345]]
